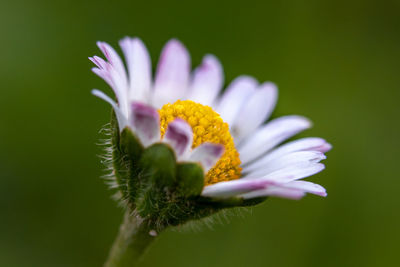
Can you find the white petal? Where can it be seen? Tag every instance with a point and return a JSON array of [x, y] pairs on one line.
[[270, 135], [294, 172], [139, 67], [145, 122], [284, 162], [108, 73], [308, 187], [122, 120], [172, 75], [102, 73], [291, 190], [207, 81], [236, 94], [276, 192], [207, 154], [179, 136], [113, 58], [98, 61], [232, 188], [304, 144], [255, 111]]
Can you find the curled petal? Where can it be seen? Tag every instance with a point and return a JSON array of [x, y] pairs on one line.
[[145, 122], [99, 62], [113, 58], [113, 78], [179, 136], [172, 75], [207, 154], [122, 121], [105, 75]]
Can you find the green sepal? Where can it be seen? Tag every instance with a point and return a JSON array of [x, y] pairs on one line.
[[230, 202], [132, 150], [130, 145], [157, 178], [253, 201], [190, 178], [201, 207], [126, 152], [121, 169]]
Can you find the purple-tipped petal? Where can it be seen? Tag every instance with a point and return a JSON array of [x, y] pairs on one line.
[[113, 58], [255, 111], [113, 72], [99, 62], [233, 188], [139, 67], [270, 135], [105, 75], [295, 172], [207, 81], [324, 148], [122, 121], [207, 154], [285, 161], [304, 144], [307, 187], [275, 191], [291, 190], [179, 136], [234, 97], [172, 75], [145, 122]]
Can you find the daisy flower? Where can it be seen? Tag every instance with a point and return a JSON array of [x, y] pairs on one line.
[[223, 131], [183, 149]]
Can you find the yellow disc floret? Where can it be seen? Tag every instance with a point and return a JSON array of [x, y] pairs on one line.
[[207, 126]]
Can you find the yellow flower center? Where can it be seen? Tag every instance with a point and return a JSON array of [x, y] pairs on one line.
[[207, 126]]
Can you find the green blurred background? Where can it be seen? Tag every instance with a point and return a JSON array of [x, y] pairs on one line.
[[336, 62]]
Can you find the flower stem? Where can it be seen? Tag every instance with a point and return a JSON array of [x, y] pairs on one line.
[[132, 241]]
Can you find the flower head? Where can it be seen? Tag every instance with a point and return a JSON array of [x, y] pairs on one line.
[[182, 149]]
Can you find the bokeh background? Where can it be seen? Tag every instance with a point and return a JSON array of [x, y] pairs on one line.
[[336, 62]]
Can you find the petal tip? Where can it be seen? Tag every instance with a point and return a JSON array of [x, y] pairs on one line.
[[326, 147]]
